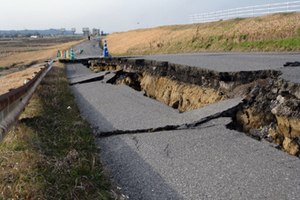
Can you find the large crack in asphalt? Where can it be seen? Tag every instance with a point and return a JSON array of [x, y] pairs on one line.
[[268, 111], [188, 120], [192, 154], [195, 125]]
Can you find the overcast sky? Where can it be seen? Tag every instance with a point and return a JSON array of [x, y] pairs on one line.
[[108, 15]]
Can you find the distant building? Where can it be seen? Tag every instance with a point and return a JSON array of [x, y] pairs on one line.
[[34, 36], [96, 32], [63, 31], [86, 31], [73, 30]]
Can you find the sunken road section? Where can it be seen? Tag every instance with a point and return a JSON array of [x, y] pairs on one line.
[[270, 108]]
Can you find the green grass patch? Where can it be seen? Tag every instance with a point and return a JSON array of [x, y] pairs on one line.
[[287, 13], [3, 68], [239, 19], [51, 151], [290, 44], [179, 43]]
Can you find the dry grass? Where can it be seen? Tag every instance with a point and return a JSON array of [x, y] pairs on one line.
[[26, 58], [18, 166], [228, 35], [16, 79], [51, 153]]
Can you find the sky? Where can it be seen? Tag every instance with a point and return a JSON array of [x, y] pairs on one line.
[[108, 15]]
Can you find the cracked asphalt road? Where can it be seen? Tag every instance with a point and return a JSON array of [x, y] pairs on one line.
[[211, 162], [207, 162], [234, 62], [119, 107]]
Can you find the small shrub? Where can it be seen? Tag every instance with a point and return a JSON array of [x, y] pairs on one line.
[[207, 46], [287, 13], [238, 19], [243, 37], [194, 39], [233, 37]]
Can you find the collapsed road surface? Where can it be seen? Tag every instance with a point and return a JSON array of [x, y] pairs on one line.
[[153, 151]]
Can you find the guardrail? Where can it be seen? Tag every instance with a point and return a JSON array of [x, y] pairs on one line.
[[13, 103], [250, 11]]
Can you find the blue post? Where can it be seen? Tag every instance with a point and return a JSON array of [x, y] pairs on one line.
[[105, 50]]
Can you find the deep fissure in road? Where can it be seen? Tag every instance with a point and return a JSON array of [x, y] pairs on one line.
[[270, 111], [183, 97]]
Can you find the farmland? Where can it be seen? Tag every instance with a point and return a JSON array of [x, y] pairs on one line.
[[19, 58]]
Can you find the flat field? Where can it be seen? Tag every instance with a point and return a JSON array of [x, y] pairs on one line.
[[20, 58], [12, 46]]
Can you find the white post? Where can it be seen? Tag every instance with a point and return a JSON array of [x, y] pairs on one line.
[[223, 14], [287, 7], [253, 11], [269, 9]]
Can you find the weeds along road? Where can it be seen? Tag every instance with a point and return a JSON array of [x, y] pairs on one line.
[[207, 162]]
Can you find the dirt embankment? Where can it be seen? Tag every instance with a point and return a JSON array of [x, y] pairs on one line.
[[271, 109], [181, 96], [270, 33]]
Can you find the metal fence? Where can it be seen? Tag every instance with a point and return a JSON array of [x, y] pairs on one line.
[[13, 103], [250, 11]]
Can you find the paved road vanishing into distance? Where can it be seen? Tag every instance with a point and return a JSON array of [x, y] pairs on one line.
[[207, 162]]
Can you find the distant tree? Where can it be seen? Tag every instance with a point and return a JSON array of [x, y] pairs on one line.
[[37, 33]]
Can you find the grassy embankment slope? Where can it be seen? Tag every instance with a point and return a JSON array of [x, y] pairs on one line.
[[270, 33]]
